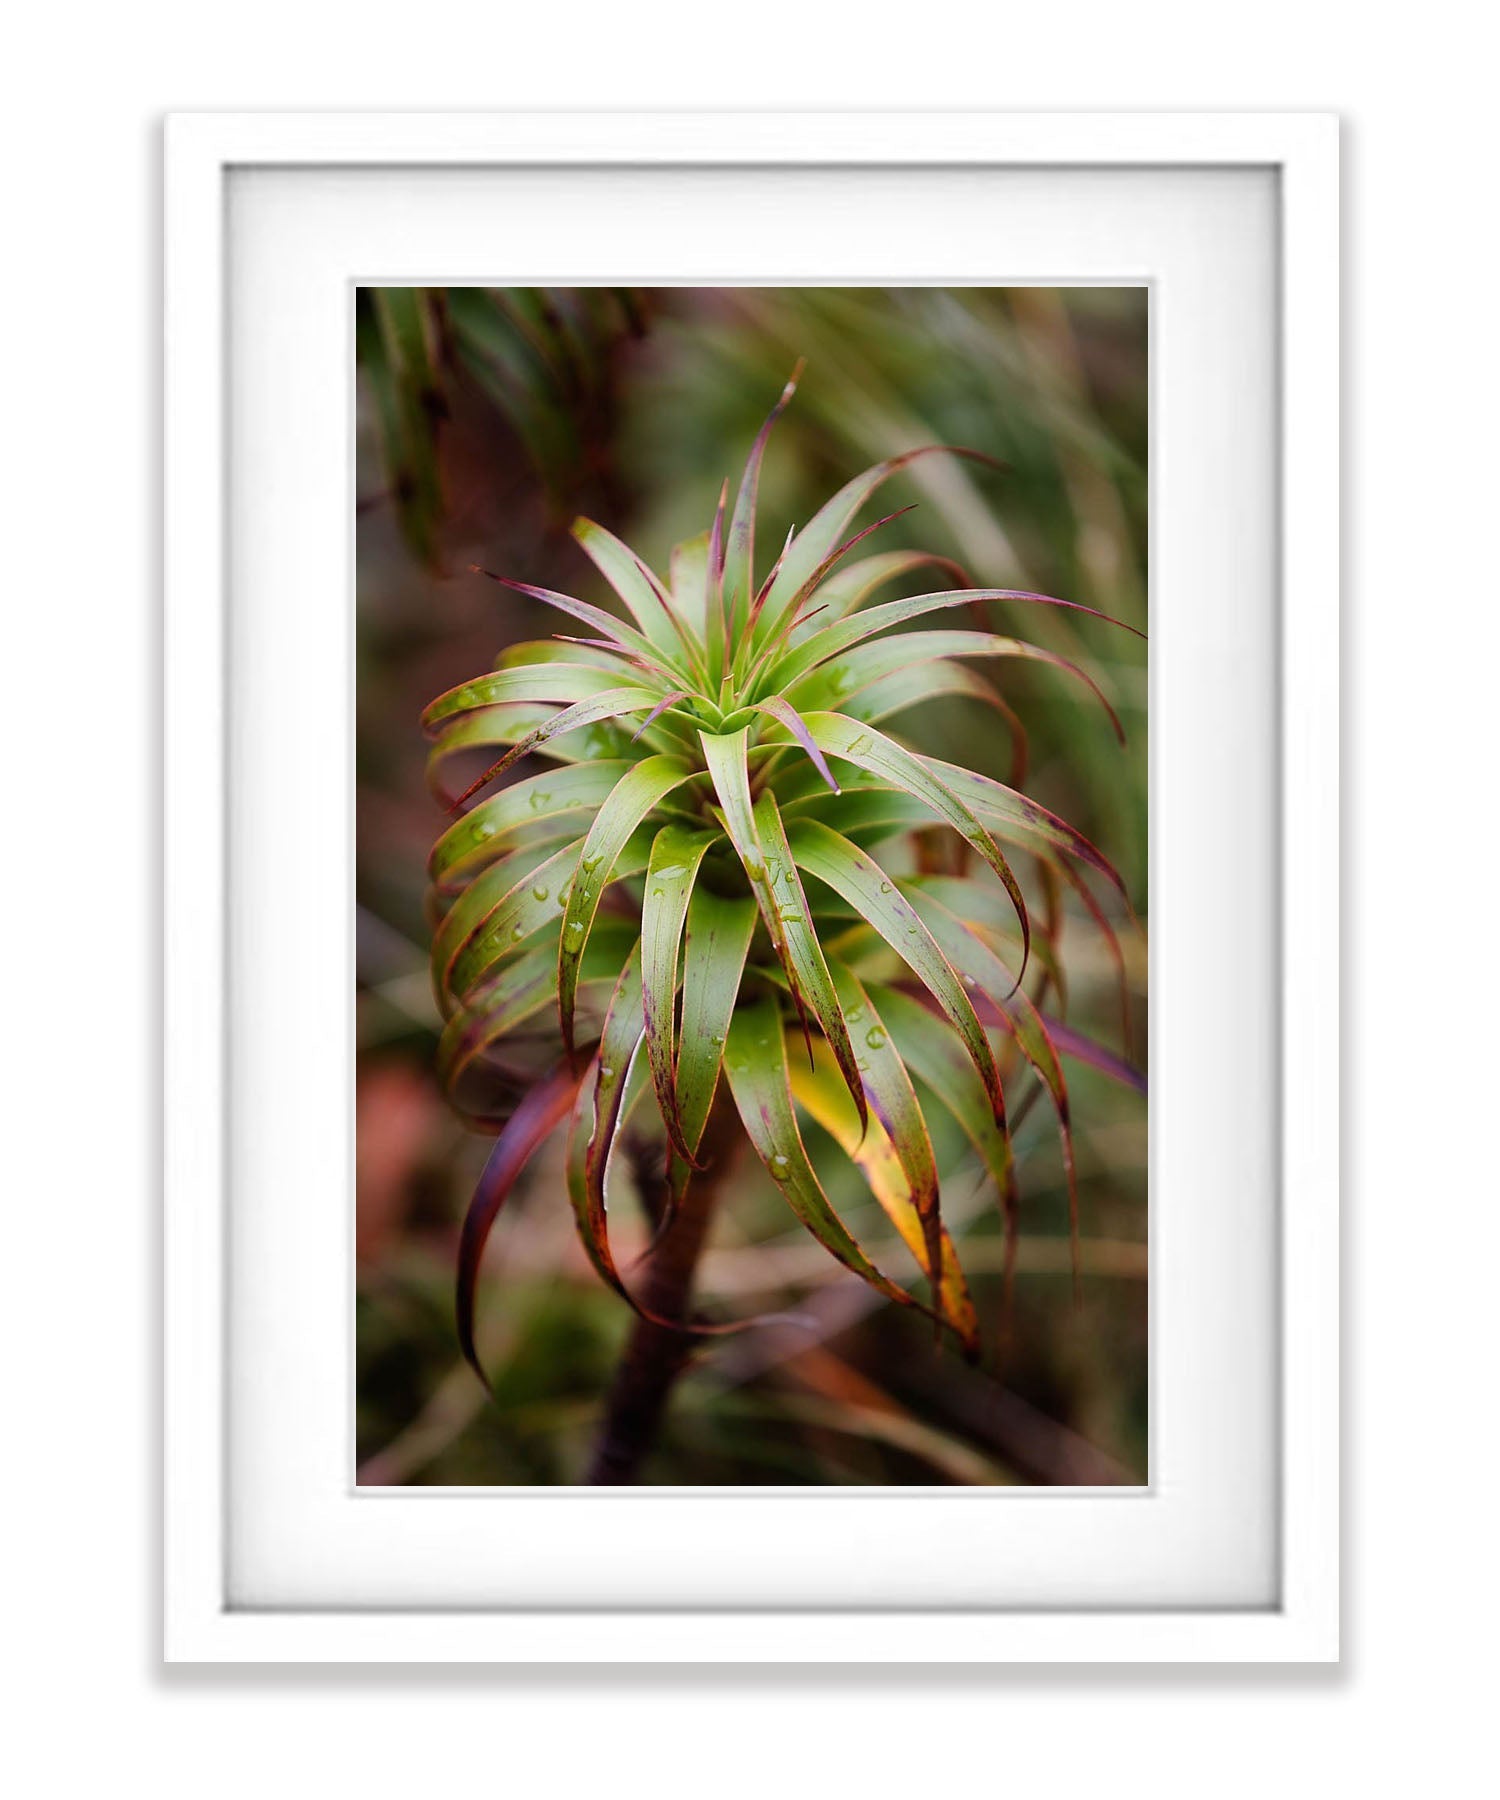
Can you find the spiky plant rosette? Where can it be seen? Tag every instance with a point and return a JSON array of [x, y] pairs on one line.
[[708, 883]]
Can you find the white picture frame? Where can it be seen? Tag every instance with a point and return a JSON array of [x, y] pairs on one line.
[[205, 754]]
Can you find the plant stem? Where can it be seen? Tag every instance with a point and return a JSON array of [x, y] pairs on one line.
[[654, 1356]]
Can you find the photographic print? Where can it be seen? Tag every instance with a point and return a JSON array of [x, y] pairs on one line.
[[751, 830]]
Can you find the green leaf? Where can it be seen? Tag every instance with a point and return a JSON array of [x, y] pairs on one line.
[[739, 552], [519, 991], [535, 902], [789, 921], [784, 714], [907, 688], [887, 760], [651, 656], [979, 964], [832, 684], [599, 1110], [1016, 812], [629, 802], [758, 1078], [675, 857], [845, 633], [728, 762], [475, 840], [929, 1049], [614, 703], [689, 579], [821, 1094], [719, 929], [894, 1102], [596, 1114], [640, 590], [847, 589], [562, 682], [864, 884], [509, 903], [816, 542], [541, 1110]]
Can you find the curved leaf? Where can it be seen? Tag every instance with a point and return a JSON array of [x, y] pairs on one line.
[[480, 836], [639, 589], [758, 1078], [675, 857], [894, 1102], [541, 1110], [847, 589], [844, 634], [519, 991], [848, 871], [596, 1114], [510, 902], [650, 655], [616, 820], [535, 902], [563, 682], [929, 1049], [719, 930], [980, 965], [817, 540], [821, 1094], [739, 551], [613, 703], [993, 800], [785, 714], [851, 674], [789, 920], [727, 756], [883, 757]]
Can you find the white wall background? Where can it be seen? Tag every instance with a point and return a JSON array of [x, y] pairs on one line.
[[79, 373]]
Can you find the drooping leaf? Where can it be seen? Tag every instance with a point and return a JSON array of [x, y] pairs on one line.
[[981, 966], [993, 801], [596, 1114], [894, 1102], [758, 1078], [541, 1110], [934, 1056], [534, 903], [501, 899], [821, 1094], [519, 991]]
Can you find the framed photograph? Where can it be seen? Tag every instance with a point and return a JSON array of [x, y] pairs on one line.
[[700, 652]]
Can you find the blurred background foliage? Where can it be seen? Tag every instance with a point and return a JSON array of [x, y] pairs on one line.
[[487, 419]]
